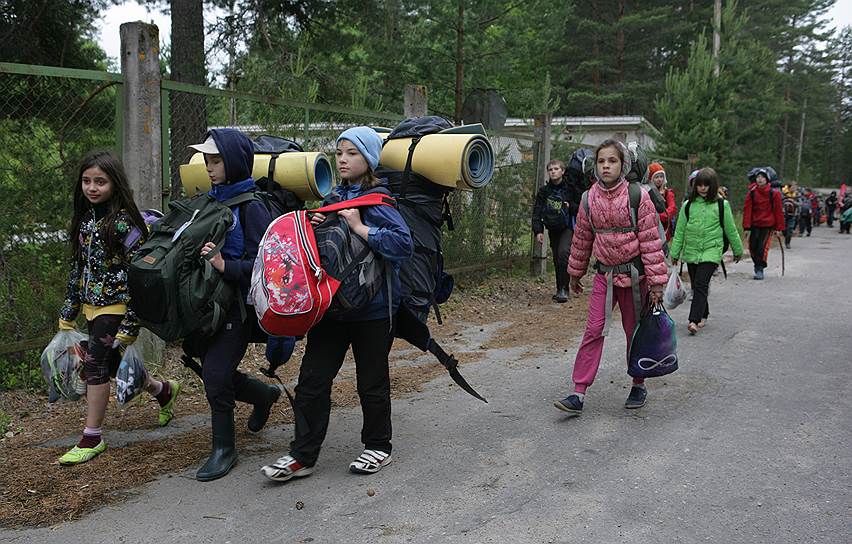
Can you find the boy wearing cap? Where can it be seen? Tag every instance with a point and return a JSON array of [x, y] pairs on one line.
[[229, 156]]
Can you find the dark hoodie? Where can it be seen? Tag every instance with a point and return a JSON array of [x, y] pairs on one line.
[[240, 247]]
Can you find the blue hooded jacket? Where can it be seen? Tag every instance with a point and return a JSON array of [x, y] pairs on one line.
[[389, 237], [240, 247]]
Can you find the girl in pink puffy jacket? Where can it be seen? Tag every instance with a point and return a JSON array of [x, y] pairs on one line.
[[629, 262]]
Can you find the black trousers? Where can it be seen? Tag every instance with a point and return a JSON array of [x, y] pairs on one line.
[[221, 355], [757, 245], [699, 278], [829, 215], [327, 344], [560, 248], [804, 224]]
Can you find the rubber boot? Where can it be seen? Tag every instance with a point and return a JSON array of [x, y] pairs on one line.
[[262, 396], [223, 457]]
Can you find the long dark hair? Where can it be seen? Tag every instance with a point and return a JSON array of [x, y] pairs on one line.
[[705, 176], [122, 199]]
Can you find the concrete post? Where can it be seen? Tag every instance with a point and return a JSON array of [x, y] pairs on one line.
[[140, 66], [416, 101], [142, 146], [541, 154]]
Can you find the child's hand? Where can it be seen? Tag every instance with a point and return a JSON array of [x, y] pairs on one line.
[[352, 216], [317, 218], [575, 285], [216, 261], [656, 295]]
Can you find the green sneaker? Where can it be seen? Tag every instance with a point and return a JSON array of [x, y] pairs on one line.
[[167, 412], [77, 455]]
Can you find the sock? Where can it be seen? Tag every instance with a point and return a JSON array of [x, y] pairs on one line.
[[91, 437], [639, 385], [165, 394], [580, 396], [158, 388]]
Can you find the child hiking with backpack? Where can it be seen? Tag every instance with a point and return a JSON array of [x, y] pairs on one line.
[[618, 224], [229, 156], [106, 230], [554, 209], [368, 330], [657, 176], [705, 225], [763, 213]]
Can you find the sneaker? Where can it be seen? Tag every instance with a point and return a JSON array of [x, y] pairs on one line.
[[636, 398], [286, 468], [562, 295], [370, 462], [77, 455], [758, 274], [571, 404], [167, 412]]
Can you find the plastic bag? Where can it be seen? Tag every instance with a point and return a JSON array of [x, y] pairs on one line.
[[653, 348], [675, 293], [131, 376], [61, 363]]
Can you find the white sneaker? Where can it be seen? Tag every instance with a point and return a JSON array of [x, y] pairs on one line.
[[286, 468], [370, 462]]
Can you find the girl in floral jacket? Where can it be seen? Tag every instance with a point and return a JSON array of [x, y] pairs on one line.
[[106, 230], [629, 259]]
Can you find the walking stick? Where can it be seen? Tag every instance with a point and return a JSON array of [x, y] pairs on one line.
[[780, 245]]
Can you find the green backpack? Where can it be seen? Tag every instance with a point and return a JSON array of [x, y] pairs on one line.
[[173, 290]]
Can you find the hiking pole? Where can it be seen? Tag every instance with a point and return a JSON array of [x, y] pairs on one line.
[[780, 245]]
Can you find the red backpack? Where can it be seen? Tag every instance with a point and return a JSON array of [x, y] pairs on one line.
[[290, 289]]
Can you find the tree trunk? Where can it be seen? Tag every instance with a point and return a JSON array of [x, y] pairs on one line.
[[596, 55], [621, 107], [782, 166], [188, 111], [459, 62]]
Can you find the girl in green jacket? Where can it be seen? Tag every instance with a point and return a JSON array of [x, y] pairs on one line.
[[700, 237]]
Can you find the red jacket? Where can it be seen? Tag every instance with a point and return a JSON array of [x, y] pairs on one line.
[[763, 208], [671, 211]]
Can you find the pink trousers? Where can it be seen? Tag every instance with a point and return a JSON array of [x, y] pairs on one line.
[[591, 348]]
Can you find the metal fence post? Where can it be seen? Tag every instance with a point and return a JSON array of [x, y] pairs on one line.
[[541, 154], [142, 145]]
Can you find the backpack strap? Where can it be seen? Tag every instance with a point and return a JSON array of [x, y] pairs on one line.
[[363, 201]]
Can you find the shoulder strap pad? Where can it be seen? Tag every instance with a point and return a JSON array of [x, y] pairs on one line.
[[634, 192]]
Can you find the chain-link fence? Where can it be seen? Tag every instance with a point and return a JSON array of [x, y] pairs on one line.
[[49, 119]]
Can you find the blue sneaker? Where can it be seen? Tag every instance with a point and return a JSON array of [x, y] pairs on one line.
[[571, 404], [758, 274]]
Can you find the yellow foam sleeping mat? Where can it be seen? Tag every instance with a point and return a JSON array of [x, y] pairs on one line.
[[308, 175], [459, 157]]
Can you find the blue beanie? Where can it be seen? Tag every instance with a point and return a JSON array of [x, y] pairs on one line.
[[368, 142]]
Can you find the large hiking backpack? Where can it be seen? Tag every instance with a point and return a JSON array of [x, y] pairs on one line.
[[173, 290], [639, 174], [290, 288], [425, 208], [581, 167], [277, 199], [791, 208]]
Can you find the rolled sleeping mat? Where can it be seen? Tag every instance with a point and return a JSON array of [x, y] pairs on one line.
[[461, 161], [308, 175]]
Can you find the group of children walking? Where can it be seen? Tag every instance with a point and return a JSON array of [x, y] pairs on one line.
[[105, 215]]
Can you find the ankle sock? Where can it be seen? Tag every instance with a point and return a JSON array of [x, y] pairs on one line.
[[165, 394], [91, 437], [580, 396], [639, 385]]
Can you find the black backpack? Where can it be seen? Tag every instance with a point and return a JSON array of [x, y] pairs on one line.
[[277, 199], [425, 208], [339, 250], [581, 167]]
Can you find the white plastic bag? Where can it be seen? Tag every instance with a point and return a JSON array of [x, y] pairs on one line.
[[675, 292], [131, 376], [61, 362]]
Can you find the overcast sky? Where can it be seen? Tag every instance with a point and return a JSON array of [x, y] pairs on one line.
[[840, 15]]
